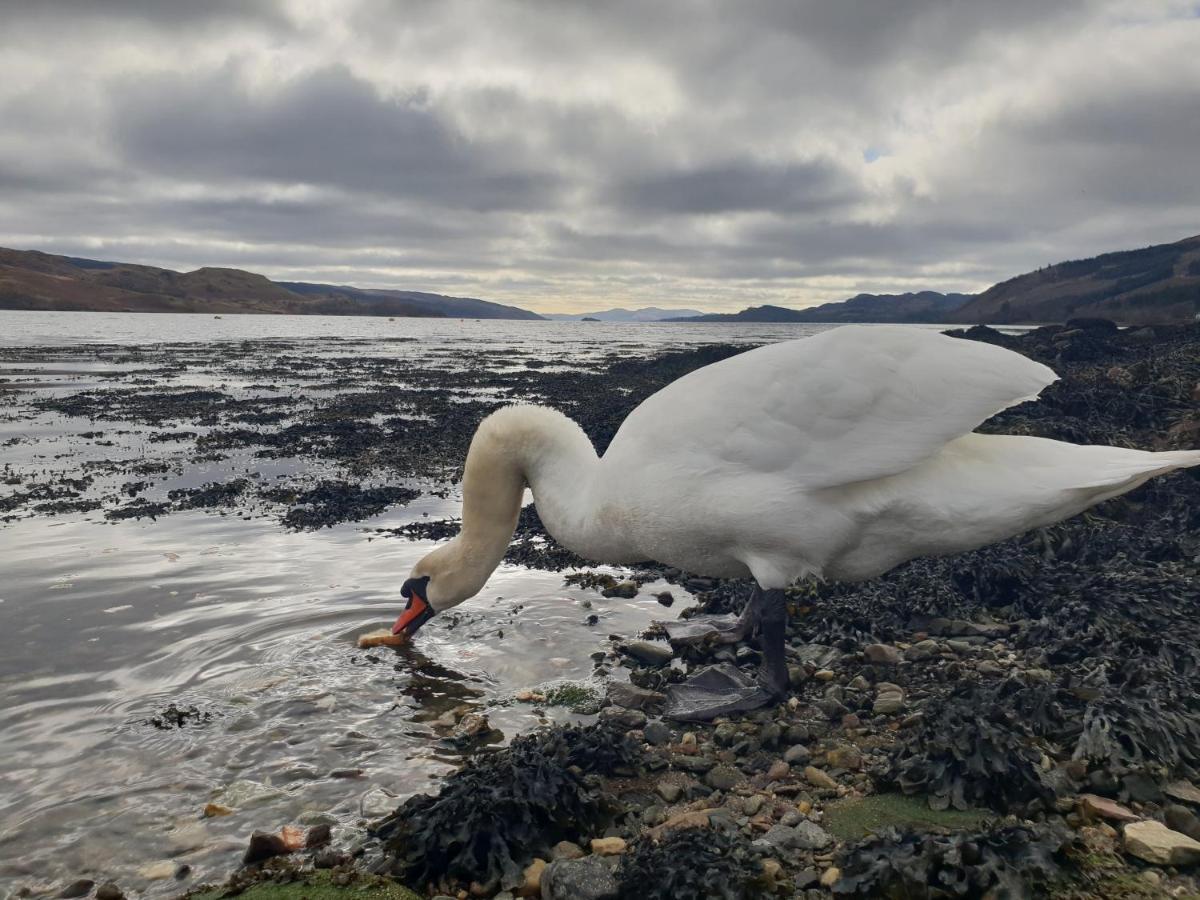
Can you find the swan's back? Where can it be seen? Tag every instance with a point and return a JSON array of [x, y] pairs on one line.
[[850, 404], [844, 454]]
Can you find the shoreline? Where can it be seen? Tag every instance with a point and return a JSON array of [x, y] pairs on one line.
[[888, 676]]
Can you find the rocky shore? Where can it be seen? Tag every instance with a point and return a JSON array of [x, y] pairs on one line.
[[1017, 721]]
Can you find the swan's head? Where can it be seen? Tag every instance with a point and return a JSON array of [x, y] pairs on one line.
[[438, 582]]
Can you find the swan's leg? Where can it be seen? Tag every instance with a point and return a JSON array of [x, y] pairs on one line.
[[746, 621], [722, 689], [772, 621]]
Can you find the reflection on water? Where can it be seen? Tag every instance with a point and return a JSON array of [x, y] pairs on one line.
[[105, 625]]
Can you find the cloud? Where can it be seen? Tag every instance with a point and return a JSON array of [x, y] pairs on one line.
[[568, 154]]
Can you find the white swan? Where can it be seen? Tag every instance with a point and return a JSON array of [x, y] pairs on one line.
[[837, 456]]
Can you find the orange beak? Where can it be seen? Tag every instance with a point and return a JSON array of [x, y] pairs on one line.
[[414, 616]]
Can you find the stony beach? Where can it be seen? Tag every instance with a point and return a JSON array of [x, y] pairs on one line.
[[1018, 721]]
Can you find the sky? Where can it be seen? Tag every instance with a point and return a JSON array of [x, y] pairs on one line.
[[568, 156]]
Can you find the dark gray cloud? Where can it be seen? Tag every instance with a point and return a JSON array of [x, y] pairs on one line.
[[325, 128], [740, 186], [684, 152]]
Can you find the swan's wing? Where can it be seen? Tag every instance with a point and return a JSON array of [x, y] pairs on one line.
[[850, 404]]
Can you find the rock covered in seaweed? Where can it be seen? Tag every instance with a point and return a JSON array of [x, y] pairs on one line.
[[503, 808]]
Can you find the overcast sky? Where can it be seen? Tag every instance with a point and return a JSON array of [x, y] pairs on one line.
[[579, 155]]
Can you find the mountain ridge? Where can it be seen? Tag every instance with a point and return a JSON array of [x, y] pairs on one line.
[[913, 307], [1154, 285], [33, 280]]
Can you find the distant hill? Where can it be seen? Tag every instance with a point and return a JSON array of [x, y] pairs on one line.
[[33, 280], [924, 306], [645, 314], [1154, 285]]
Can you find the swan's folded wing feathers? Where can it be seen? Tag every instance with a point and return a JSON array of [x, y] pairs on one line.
[[851, 404]]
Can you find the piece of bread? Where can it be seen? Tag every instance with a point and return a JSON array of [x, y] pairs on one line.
[[382, 638]]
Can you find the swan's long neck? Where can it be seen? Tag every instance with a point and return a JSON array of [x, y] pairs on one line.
[[514, 447]]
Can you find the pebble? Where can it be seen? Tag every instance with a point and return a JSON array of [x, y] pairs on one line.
[[669, 791], [926, 649], [630, 696], [771, 870], [1099, 807], [752, 804], [649, 653], [1159, 845], [818, 778], [824, 675], [590, 878], [844, 758], [214, 810], [811, 836], [79, 888], [566, 850], [264, 845], [626, 590], [797, 753], [1181, 819], [859, 684], [627, 719], [883, 654], [657, 733], [888, 704], [692, 763], [778, 771], [830, 876], [723, 778], [109, 891], [609, 846], [531, 885]]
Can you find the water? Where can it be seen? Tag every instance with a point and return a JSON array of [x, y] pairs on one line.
[[103, 624]]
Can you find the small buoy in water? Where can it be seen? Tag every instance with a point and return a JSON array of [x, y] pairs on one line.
[[383, 637]]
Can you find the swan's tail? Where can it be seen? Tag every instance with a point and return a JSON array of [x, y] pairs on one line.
[[1134, 467]]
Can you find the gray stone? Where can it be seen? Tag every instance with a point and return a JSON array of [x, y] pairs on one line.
[[649, 653], [624, 589], [1141, 788], [1183, 790], [1181, 819], [888, 704], [883, 654], [722, 778], [1159, 845], [811, 836], [669, 791], [781, 837], [109, 891], [692, 763], [820, 779], [797, 753], [590, 878], [566, 850], [80, 888], [926, 649], [627, 719], [797, 734], [630, 696], [657, 733], [770, 734], [264, 845]]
